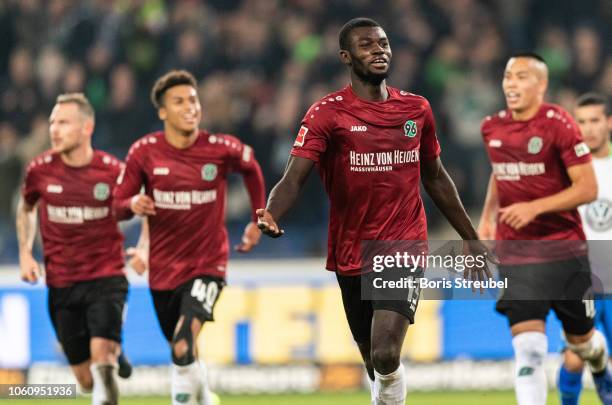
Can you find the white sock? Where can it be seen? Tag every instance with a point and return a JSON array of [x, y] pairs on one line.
[[530, 349], [205, 389], [372, 391], [391, 388], [105, 390], [186, 384], [594, 351]]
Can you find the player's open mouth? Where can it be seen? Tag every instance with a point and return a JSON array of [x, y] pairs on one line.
[[379, 63], [512, 97]]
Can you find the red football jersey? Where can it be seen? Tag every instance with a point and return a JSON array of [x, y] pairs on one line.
[[81, 240], [368, 155], [188, 237], [530, 160]]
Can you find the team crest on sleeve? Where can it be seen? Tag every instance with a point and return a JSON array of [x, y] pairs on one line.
[[535, 145], [581, 149], [410, 128], [209, 171], [301, 136], [101, 191]]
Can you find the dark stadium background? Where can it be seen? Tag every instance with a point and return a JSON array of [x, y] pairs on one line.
[[260, 64]]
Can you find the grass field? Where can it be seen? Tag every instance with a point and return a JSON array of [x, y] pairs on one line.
[[444, 398]]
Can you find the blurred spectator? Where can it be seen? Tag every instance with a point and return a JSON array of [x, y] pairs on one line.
[[262, 63]]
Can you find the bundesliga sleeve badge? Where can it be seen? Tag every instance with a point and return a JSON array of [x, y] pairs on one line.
[[301, 136]]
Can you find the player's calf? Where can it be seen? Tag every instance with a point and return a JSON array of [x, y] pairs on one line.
[[83, 376], [388, 332], [187, 375]]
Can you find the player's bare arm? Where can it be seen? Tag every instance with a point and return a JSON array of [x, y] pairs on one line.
[[488, 218], [582, 190], [253, 179], [283, 195], [26, 231], [138, 256], [442, 190]]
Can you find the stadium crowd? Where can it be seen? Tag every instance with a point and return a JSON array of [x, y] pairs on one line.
[[260, 64]]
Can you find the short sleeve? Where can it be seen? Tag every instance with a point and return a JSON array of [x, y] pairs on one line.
[[430, 147], [313, 135], [131, 177], [240, 156], [569, 141], [30, 190]]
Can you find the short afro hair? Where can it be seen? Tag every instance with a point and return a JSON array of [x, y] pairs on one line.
[[170, 79], [344, 36]]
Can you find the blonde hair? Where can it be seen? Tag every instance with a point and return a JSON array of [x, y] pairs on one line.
[[80, 100]]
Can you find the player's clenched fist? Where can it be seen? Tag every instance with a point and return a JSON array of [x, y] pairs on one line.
[[266, 223], [142, 205], [29, 269]]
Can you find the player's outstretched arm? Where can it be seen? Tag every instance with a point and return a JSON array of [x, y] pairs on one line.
[[26, 231], [138, 256], [283, 195], [443, 192], [488, 218], [582, 191], [256, 186]]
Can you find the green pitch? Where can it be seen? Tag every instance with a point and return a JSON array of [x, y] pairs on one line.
[[441, 398]]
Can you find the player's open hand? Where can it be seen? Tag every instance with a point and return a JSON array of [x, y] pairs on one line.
[[518, 215], [250, 238], [142, 205], [479, 268], [138, 259], [266, 223], [29, 269]]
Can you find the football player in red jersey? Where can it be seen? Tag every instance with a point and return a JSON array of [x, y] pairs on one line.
[[542, 172], [184, 172], [70, 187], [372, 144]]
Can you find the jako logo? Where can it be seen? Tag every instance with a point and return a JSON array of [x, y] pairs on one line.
[[358, 128]]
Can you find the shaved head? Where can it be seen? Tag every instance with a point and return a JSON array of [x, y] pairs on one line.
[[525, 82], [538, 67]]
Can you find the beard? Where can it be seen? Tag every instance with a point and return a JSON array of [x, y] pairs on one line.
[[366, 76]]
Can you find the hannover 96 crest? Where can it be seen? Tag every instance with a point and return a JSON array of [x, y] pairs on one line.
[[101, 191], [209, 171], [410, 129]]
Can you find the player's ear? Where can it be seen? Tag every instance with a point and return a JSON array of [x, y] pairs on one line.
[[88, 126], [162, 113], [345, 57]]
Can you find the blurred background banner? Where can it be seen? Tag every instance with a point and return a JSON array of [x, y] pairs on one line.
[[280, 317], [260, 64]]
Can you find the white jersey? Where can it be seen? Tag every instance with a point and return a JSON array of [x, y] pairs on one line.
[[597, 216]]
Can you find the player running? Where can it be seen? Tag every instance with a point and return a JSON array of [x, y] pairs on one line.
[[369, 200], [184, 172], [71, 188], [542, 171], [595, 122]]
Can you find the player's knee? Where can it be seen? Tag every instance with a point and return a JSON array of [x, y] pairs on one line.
[[594, 348], [182, 353], [385, 359], [572, 362]]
